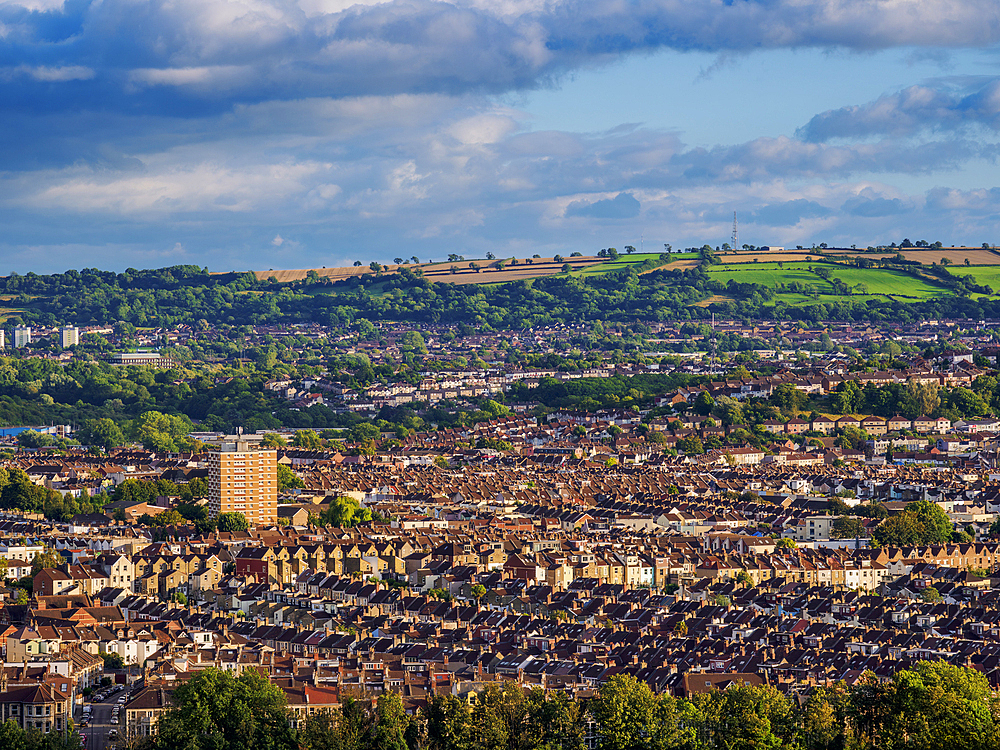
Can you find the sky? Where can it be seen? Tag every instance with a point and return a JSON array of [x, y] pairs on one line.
[[257, 134]]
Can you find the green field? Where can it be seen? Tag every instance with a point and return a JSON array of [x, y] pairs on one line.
[[989, 275], [881, 281], [616, 265], [878, 282], [768, 274]]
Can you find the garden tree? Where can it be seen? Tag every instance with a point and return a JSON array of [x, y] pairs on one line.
[[704, 403], [112, 661], [322, 731], [197, 487], [288, 479], [216, 710], [902, 529], [478, 591], [166, 518], [785, 543], [922, 522], [932, 705], [345, 512], [626, 711], [273, 440], [555, 721], [691, 444], [47, 558], [18, 492], [930, 594], [847, 527], [945, 706], [965, 403], [413, 341], [233, 521], [308, 439]]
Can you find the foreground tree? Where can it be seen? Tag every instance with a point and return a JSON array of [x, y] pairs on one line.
[[218, 711]]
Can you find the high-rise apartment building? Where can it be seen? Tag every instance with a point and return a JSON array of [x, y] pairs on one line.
[[22, 336], [69, 336], [243, 478], [3, 339]]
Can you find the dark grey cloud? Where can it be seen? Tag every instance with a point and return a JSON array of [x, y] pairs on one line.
[[622, 206], [197, 56]]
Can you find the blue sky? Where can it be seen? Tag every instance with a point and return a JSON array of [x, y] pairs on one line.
[[259, 134]]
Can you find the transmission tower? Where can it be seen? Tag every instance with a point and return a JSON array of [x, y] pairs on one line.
[[736, 234]]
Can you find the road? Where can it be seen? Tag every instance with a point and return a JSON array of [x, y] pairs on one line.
[[100, 724]]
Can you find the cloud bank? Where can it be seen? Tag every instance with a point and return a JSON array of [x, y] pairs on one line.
[[261, 132]]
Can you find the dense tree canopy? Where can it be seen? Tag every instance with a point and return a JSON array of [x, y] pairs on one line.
[[216, 710]]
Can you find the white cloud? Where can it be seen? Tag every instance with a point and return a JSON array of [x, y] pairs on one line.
[[167, 188], [59, 73]]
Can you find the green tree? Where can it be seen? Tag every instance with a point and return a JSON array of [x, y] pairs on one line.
[[448, 723], [288, 479], [233, 521], [627, 712], [47, 558], [216, 710], [930, 594], [162, 432], [308, 439], [345, 512], [704, 403], [273, 440], [691, 444], [365, 431], [388, 731], [34, 439], [112, 661], [103, 432], [847, 527], [742, 716], [922, 522]]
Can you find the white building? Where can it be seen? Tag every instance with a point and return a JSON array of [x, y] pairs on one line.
[[69, 336], [22, 336]]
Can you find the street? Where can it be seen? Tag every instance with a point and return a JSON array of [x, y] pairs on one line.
[[100, 724]]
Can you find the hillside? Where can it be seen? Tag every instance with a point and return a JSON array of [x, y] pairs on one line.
[[471, 271], [814, 285]]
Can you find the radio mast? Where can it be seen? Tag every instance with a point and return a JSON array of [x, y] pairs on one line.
[[736, 234]]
